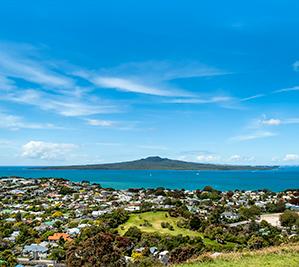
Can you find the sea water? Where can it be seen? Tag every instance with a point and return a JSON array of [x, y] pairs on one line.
[[274, 180]]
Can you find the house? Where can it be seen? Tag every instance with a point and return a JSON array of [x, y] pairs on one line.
[[164, 257], [292, 207], [56, 237], [37, 251], [132, 208], [73, 231], [97, 213], [14, 235], [229, 215], [153, 250]]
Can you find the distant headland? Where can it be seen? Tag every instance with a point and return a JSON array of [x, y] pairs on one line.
[[158, 163]]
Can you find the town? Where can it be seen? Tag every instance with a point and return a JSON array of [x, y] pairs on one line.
[[56, 222]]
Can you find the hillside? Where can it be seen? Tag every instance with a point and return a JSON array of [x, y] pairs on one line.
[[158, 163], [150, 222], [283, 256]]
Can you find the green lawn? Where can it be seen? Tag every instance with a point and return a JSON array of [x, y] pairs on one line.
[[282, 258], [155, 219]]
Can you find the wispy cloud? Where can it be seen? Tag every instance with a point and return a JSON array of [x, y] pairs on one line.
[[21, 62], [163, 70], [151, 77], [252, 136], [252, 97], [47, 85], [60, 104], [214, 99], [6, 84], [127, 85], [102, 123], [113, 124], [13, 122], [290, 89]]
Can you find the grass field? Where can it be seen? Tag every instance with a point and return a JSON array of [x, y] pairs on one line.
[[285, 256], [155, 219]]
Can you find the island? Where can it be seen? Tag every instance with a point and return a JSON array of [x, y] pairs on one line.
[[158, 163]]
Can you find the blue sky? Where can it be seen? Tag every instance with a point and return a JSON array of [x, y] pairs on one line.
[[104, 81]]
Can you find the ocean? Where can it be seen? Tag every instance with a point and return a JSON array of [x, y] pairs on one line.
[[274, 180]]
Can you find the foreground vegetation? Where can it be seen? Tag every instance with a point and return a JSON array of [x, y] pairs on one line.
[[283, 256]]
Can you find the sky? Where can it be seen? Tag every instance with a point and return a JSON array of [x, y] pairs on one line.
[[104, 81]]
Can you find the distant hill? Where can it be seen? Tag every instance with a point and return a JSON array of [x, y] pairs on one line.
[[157, 163]]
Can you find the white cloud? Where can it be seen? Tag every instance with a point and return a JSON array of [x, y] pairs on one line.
[[271, 122], [291, 157], [296, 65], [207, 158], [253, 136], [235, 158], [239, 158], [103, 123], [46, 151], [13, 122], [275, 122]]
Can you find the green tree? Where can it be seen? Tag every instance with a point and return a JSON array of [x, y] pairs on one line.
[[255, 242], [289, 218], [57, 254], [134, 233], [250, 213], [100, 250]]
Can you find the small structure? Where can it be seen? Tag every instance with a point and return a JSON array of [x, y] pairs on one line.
[[73, 231], [153, 250], [164, 257], [229, 215], [35, 250]]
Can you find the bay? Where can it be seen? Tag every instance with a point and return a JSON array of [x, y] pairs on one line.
[[274, 180]]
